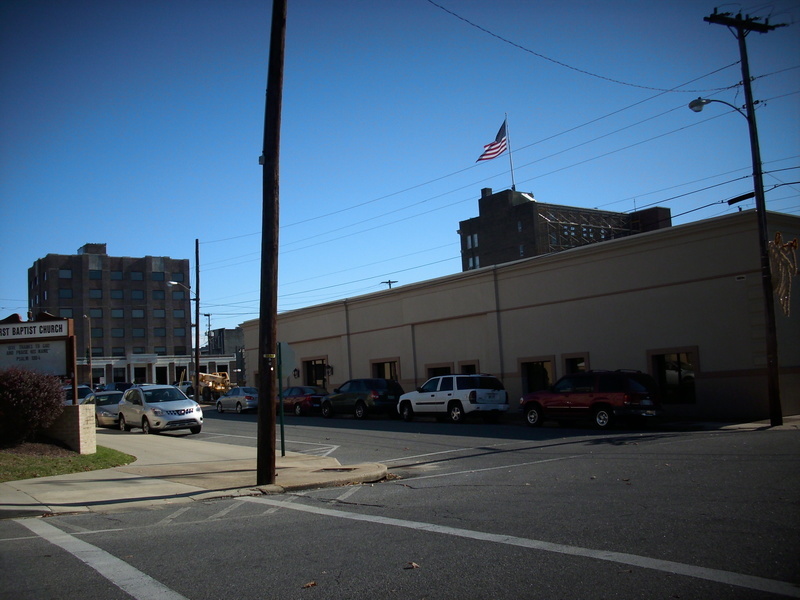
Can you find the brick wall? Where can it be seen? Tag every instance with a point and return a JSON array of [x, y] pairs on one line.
[[75, 427]]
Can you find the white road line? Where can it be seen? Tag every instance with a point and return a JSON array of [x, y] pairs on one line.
[[124, 576], [168, 519], [222, 513], [350, 491], [525, 464], [725, 577]]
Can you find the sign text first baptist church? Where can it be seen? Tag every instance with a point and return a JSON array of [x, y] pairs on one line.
[[33, 330]]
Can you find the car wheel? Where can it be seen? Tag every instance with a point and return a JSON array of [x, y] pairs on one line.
[[327, 410], [219, 407], [123, 426], [298, 410], [146, 429], [196, 429], [602, 417], [361, 410], [406, 412], [455, 412], [238, 408], [533, 415]]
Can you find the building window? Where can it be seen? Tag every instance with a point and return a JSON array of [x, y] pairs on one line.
[[158, 295], [117, 313], [178, 295], [45, 295], [177, 277], [117, 351], [65, 273], [138, 332], [157, 276], [159, 313], [137, 294], [385, 370], [96, 313], [521, 250], [160, 332], [117, 332], [95, 294], [95, 274], [62, 293], [575, 364], [474, 240], [675, 372], [519, 226], [160, 350], [117, 294], [136, 276], [119, 374], [138, 349], [97, 351], [137, 313], [97, 332], [179, 313], [116, 275], [65, 313], [180, 350], [179, 332]]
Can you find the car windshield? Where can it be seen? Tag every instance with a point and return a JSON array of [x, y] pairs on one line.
[[167, 394], [108, 399]]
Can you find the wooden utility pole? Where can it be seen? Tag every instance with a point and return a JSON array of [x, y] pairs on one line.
[[741, 27], [267, 363]]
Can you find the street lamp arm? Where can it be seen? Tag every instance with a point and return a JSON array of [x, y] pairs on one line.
[[698, 104], [186, 287]]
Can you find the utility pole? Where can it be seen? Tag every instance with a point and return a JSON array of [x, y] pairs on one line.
[[267, 330], [741, 27], [389, 283], [208, 333]]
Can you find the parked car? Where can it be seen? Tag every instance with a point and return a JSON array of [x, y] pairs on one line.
[[303, 400], [456, 396], [83, 391], [363, 397], [187, 387], [116, 386], [238, 399], [106, 407], [157, 408], [598, 395]]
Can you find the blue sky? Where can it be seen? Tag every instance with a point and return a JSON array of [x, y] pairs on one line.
[[139, 124]]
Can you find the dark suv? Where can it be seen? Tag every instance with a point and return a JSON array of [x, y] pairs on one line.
[[363, 397], [599, 395]]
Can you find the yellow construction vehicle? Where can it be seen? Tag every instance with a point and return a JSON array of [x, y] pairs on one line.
[[213, 385]]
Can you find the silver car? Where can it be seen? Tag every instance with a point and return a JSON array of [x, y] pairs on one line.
[[238, 399], [157, 408], [106, 407]]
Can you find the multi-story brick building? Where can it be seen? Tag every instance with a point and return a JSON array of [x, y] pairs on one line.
[[512, 225], [133, 323]]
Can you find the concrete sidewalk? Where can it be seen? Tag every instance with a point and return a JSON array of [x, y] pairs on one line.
[[170, 470]]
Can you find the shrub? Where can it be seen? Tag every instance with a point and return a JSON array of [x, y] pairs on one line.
[[29, 402]]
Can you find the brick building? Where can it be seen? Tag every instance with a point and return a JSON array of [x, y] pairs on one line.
[[512, 225], [126, 314]]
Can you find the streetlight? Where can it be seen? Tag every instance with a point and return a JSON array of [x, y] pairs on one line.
[[773, 376], [89, 356], [196, 336]]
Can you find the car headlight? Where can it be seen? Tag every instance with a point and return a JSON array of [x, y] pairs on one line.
[[157, 412]]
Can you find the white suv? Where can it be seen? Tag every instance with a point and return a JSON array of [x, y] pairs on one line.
[[157, 408], [456, 396]]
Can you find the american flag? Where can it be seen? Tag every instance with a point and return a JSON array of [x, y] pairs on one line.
[[497, 147]]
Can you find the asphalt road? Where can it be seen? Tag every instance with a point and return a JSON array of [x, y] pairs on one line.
[[470, 511]]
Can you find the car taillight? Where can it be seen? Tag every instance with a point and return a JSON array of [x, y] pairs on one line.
[[373, 395], [249, 398]]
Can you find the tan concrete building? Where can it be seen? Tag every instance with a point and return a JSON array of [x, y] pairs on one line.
[[684, 304]]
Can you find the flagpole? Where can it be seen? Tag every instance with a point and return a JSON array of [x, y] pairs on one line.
[[510, 158]]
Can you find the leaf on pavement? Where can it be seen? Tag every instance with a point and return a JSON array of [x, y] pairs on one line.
[[310, 584], [411, 565]]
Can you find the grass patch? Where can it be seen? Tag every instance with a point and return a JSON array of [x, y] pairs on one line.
[[15, 466]]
